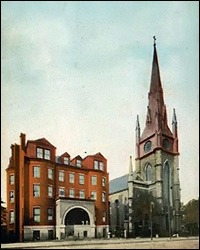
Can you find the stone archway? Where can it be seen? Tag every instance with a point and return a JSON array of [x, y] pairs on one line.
[[77, 216], [78, 222]]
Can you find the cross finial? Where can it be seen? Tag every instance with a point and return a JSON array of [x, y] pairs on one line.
[[154, 38]]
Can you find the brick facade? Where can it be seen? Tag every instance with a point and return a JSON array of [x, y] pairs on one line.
[[37, 180]]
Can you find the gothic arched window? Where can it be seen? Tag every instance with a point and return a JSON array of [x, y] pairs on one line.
[[166, 182], [148, 176], [117, 211]]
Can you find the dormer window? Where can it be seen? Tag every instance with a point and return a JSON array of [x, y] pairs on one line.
[[39, 153], [98, 165], [101, 166], [43, 153], [66, 160], [47, 154], [78, 163]]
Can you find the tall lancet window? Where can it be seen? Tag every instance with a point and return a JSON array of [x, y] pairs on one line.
[[167, 183], [148, 176]]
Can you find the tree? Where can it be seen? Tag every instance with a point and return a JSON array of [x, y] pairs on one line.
[[3, 213], [141, 214], [190, 220]]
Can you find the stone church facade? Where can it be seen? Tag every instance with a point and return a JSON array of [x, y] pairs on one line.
[[151, 194]]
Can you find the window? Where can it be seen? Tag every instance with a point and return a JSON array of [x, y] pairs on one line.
[[167, 190], [71, 193], [103, 197], [81, 178], [104, 216], [12, 217], [61, 176], [50, 173], [66, 160], [103, 181], [36, 171], [148, 173], [47, 154], [12, 179], [71, 177], [96, 165], [43, 153], [39, 153], [93, 195], [94, 180], [110, 209], [78, 163], [50, 213], [50, 191], [11, 196], [81, 194], [36, 214], [101, 166], [36, 190], [62, 192]]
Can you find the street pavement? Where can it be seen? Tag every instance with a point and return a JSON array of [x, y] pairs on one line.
[[113, 243]]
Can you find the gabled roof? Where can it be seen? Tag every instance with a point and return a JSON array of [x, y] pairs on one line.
[[77, 157], [98, 155], [65, 154], [41, 141]]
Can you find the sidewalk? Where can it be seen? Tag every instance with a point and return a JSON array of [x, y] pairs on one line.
[[61, 243]]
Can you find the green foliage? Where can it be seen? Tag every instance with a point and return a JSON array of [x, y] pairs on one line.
[[3, 213], [141, 205], [145, 209], [190, 218], [191, 212]]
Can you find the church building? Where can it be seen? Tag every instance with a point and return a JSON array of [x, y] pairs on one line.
[[147, 201]]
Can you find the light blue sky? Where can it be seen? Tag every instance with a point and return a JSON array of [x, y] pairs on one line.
[[78, 73]]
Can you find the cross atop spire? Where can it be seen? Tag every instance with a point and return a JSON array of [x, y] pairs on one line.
[[154, 41]]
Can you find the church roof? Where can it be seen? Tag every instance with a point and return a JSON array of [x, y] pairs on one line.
[[118, 184]]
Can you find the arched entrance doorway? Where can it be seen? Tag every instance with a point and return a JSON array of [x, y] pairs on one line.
[[77, 223], [77, 216]]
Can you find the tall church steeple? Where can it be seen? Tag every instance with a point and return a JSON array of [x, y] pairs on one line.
[[157, 155], [156, 120]]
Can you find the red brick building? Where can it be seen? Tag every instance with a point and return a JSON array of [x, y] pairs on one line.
[[51, 196]]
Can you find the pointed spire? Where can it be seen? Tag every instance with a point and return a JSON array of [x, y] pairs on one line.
[[156, 119], [174, 125], [137, 135], [174, 120], [155, 74], [137, 123], [130, 170]]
